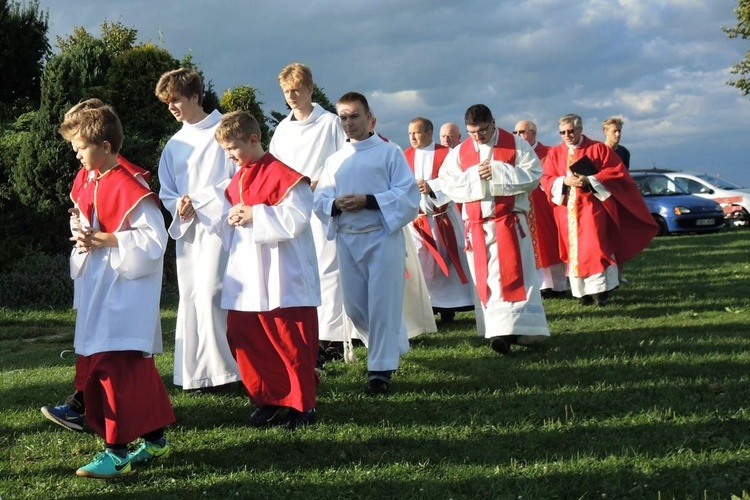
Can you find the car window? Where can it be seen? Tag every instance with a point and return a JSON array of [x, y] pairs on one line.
[[657, 185], [719, 182], [691, 186]]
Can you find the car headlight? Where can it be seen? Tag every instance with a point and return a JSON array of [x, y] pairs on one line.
[[681, 210]]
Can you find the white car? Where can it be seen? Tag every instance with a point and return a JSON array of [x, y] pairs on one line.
[[734, 199]]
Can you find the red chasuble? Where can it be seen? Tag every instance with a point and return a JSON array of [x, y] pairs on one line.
[[542, 222], [621, 225], [111, 196], [443, 224], [505, 220], [265, 182]]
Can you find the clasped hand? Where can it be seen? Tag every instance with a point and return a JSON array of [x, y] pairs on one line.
[[351, 202], [240, 214]]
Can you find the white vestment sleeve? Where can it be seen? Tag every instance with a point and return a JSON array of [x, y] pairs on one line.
[[558, 191], [325, 195], [461, 186], [285, 220], [398, 205], [141, 243], [511, 180]]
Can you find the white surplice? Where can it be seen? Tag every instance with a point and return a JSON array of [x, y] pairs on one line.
[[193, 164]]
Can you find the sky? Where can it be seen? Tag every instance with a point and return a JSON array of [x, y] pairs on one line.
[[661, 65]]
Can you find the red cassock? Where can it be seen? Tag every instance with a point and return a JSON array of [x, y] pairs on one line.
[[275, 350], [542, 224], [620, 226]]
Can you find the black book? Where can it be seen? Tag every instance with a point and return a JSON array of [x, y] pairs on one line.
[[584, 166]]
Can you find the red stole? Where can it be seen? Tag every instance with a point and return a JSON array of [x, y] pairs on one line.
[[111, 196], [443, 224], [505, 220], [541, 221], [265, 182]]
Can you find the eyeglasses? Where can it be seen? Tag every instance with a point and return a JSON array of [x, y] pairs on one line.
[[519, 132], [483, 131], [568, 132]]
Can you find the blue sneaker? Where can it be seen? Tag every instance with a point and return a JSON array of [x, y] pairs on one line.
[[148, 451], [106, 465], [65, 416]]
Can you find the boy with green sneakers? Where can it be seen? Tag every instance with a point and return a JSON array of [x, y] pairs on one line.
[[72, 413], [117, 264]]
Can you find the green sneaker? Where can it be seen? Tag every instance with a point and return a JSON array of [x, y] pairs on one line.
[[106, 465], [148, 451]]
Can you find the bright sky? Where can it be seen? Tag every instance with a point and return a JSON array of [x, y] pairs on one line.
[[662, 65]]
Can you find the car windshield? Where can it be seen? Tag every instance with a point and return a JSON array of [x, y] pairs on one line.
[[718, 181], [657, 185]]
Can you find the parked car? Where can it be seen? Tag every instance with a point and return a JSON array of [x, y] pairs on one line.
[[674, 210], [734, 199]]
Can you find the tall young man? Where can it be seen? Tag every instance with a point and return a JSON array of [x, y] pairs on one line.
[[191, 166]]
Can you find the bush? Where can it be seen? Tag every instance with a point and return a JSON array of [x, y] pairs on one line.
[[37, 279]]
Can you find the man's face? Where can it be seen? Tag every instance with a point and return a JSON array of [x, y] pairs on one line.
[[418, 138], [449, 136], [481, 133], [354, 120], [183, 108], [526, 130], [570, 133], [239, 151], [298, 96], [612, 134]]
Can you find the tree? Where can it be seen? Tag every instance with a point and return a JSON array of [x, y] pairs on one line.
[[243, 98], [741, 30], [23, 49]]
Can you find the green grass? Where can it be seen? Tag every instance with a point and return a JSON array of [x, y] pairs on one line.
[[646, 398]]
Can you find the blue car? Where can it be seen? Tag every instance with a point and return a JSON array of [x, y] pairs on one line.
[[674, 210]]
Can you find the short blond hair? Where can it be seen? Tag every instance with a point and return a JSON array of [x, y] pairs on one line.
[[237, 125], [612, 121], [94, 125], [296, 74], [183, 82]]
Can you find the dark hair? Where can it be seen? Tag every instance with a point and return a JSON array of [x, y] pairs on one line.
[[424, 122], [477, 115], [351, 97]]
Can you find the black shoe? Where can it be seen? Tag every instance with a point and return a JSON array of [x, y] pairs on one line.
[[296, 419], [600, 299], [377, 386], [501, 344], [447, 316], [586, 300], [267, 415], [549, 293], [334, 352]]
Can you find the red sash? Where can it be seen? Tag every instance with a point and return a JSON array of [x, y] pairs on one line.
[[265, 182], [443, 225], [505, 220], [111, 195]]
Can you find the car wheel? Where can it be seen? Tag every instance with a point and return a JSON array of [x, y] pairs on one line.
[[743, 221], [663, 228]]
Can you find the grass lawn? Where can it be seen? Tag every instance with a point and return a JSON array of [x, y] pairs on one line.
[[648, 397]]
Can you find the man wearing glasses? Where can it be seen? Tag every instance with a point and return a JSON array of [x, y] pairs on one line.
[[602, 218], [491, 173], [550, 268]]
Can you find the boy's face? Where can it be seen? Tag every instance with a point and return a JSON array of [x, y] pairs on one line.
[[183, 108], [298, 96], [91, 156], [239, 151]]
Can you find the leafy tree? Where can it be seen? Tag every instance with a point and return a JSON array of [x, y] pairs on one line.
[[741, 30], [243, 98], [23, 49]]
